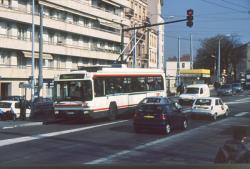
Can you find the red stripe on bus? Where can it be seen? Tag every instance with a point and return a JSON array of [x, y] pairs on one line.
[[124, 106], [68, 105], [125, 75]]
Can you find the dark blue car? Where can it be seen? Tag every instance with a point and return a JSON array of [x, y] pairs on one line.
[[163, 117]]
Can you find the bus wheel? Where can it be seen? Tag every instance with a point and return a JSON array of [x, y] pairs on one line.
[[112, 111]]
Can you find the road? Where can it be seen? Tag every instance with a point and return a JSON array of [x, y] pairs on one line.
[[105, 142]]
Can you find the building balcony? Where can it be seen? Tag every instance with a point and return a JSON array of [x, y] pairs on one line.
[[20, 16], [24, 72], [90, 9], [129, 12], [12, 42]]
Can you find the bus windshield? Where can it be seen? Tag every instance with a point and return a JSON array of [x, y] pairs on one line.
[[80, 90]]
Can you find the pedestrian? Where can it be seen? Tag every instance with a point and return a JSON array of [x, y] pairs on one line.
[[235, 149], [23, 105]]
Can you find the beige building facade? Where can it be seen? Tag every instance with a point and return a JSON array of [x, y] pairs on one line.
[[76, 33], [155, 15]]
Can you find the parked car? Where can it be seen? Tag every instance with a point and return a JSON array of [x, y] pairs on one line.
[[225, 90], [192, 92], [12, 109], [159, 114], [14, 98], [211, 107], [237, 88]]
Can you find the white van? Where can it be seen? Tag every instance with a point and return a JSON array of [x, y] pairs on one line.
[[193, 92]]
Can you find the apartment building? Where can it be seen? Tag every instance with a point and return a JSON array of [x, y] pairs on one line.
[[75, 33], [138, 14], [155, 15]]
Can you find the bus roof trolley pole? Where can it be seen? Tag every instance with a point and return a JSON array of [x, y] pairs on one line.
[[140, 27]]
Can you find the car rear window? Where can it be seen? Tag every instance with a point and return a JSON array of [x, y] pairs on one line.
[[5, 105], [236, 85], [152, 100], [192, 90], [206, 102], [150, 108]]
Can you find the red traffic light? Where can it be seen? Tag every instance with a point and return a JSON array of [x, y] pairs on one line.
[[190, 18], [190, 12]]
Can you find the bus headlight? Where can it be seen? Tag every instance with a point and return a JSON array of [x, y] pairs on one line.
[[86, 112]]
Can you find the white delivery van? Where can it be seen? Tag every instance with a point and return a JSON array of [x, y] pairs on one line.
[[193, 92]]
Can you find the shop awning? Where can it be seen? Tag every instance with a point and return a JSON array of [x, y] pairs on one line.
[[36, 55], [195, 72]]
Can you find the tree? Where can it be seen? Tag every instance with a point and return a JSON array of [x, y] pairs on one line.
[[208, 53]]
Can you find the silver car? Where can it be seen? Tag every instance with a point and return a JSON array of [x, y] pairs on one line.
[[225, 90]]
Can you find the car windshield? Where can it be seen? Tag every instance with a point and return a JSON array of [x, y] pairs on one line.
[[236, 85], [5, 105], [226, 86], [150, 109], [192, 90], [201, 102], [73, 90]]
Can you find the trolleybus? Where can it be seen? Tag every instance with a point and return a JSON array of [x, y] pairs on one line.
[[101, 91]]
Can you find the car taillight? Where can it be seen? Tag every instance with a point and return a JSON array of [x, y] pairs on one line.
[[163, 117]]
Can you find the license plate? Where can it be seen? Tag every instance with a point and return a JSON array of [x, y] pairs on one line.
[[70, 113], [149, 117]]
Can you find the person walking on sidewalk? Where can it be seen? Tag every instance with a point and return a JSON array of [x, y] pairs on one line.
[[23, 106]]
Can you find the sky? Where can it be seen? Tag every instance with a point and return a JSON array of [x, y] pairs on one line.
[[211, 17]]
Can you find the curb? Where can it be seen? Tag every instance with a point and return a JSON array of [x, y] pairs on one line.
[[8, 126]]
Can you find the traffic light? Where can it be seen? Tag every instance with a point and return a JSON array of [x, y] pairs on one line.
[[190, 17]]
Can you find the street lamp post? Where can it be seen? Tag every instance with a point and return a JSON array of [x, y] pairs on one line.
[[218, 62], [219, 58]]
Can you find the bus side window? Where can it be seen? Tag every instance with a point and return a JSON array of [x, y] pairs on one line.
[[99, 88]]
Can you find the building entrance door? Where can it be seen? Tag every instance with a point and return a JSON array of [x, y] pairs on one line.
[[4, 92]]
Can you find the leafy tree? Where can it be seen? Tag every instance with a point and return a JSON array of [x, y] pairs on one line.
[[208, 53]]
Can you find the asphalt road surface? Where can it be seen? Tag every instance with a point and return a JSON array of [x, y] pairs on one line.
[[103, 142]]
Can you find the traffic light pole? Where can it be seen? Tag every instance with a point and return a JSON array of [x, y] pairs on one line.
[[140, 27]]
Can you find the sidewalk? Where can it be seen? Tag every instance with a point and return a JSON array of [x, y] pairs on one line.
[[19, 123]]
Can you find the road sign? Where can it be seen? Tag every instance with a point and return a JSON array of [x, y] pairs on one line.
[[24, 85]]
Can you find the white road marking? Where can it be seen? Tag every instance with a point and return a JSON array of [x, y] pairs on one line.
[[46, 135], [241, 114], [158, 141], [239, 101]]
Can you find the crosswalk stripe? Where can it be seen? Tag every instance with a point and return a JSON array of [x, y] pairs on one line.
[[241, 114]]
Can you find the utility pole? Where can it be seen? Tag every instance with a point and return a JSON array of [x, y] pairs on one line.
[[178, 61], [135, 51], [191, 52], [218, 62], [40, 76], [32, 57]]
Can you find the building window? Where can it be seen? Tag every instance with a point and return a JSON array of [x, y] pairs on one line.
[[4, 58], [21, 32], [75, 39], [50, 63], [51, 37], [8, 30], [183, 65], [75, 19]]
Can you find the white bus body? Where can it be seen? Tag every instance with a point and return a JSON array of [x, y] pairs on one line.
[[106, 92]]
